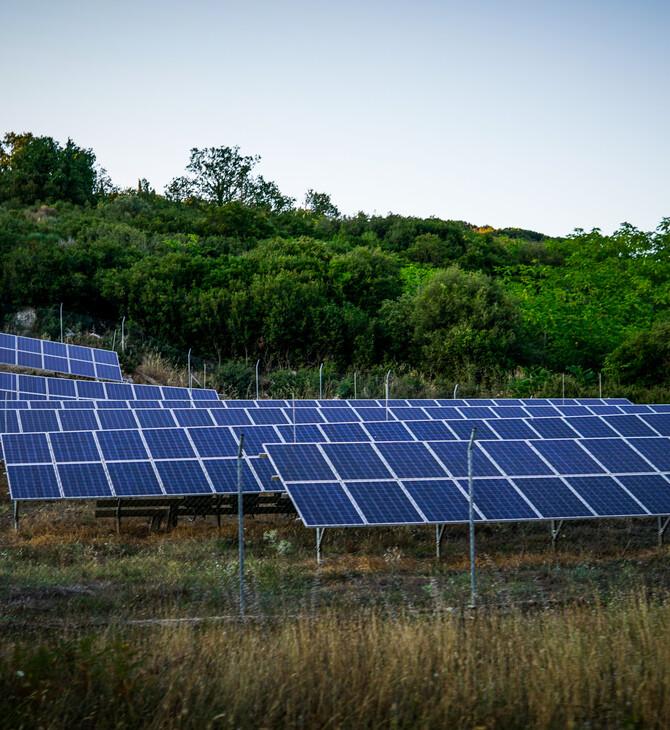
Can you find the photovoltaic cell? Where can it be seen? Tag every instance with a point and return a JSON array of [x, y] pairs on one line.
[[606, 497], [590, 426], [301, 433], [383, 503], [388, 431], [254, 438], [183, 477], [552, 497], [116, 419], [168, 443], [267, 416], [84, 480], [324, 505], [616, 456], [454, 456], [134, 479], [656, 450], [79, 421], [431, 431], [300, 463], [341, 432], [411, 460], [516, 458], [26, 448], [356, 461], [74, 446], [629, 425], [439, 500], [651, 489], [463, 429], [213, 442], [497, 499], [121, 445], [33, 482], [513, 428], [660, 422], [374, 414], [39, 421], [554, 428], [567, 457], [223, 475]]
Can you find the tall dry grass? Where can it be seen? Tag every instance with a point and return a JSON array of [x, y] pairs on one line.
[[596, 667]]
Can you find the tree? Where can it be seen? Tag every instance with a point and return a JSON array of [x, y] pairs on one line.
[[321, 204], [38, 168], [222, 175]]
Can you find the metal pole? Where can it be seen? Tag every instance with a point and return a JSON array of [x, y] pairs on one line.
[[295, 440], [61, 321], [473, 598], [123, 334], [387, 394], [455, 389], [563, 386], [354, 385], [204, 375], [189, 369], [320, 383], [600, 384], [240, 521], [257, 364]]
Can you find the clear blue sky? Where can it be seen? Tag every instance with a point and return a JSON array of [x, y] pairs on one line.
[[542, 115]]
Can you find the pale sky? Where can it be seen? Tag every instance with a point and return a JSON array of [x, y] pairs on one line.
[[542, 115]]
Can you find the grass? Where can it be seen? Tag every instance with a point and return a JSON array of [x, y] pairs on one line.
[[378, 636]]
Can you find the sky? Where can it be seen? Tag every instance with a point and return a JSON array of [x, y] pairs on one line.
[[533, 114]]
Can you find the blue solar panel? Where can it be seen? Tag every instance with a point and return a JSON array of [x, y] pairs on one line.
[[300, 463], [255, 437], [303, 415], [513, 428], [79, 420], [324, 505], [340, 415], [193, 417], [134, 479], [119, 391], [301, 433], [327, 404], [223, 475], [463, 429], [454, 456], [74, 446], [30, 360], [650, 489], [183, 477], [375, 414], [58, 386], [174, 393], [567, 457], [356, 461], [552, 497], [409, 414], [444, 413], [388, 431], [516, 458], [635, 409], [573, 410], [91, 390], [39, 421], [384, 503], [660, 422], [537, 411], [606, 497], [84, 480], [9, 422], [29, 384], [422, 403], [605, 410], [33, 482], [590, 426], [168, 443], [509, 412], [267, 416], [431, 431], [26, 448], [553, 428], [655, 450], [121, 445], [497, 499], [211, 442], [240, 403], [83, 369], [116, 419], [439, 500], [411, 460], [7, 357], [341, 432], [616, 456], [629, 425], [231, 417], [264, 471], [155, 418]]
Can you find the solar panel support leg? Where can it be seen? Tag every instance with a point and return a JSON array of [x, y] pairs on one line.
[[662, 527], [16, 514], [118, 515], [439, 532], [218, 512], [319, 539], [555, 532]]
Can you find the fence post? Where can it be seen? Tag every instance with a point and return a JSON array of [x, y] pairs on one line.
[[473, 583], [240, 521]]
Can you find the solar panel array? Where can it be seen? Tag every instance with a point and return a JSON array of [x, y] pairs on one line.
[[395, 483], [14, 387], [88, 362]]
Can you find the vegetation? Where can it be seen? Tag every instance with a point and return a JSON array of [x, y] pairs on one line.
[[225, 264]]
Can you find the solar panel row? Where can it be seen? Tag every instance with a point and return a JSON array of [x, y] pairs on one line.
[[33, 386], [57, 357], [414, 483]]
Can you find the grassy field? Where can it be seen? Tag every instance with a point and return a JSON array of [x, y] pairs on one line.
[[378, 636]]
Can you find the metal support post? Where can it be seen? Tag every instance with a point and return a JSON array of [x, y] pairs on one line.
[[118, 515], [600, 384], [123, 334], [295, 440], [387, 394], [319, 539], [16, 514], [190, 383], [258, 362], [455, 390], [240, 521], [355, 394], [439, 532], [563, 386], [61, 322], [555, 532], [473, 582], [320, 382], [662, 527], [204, 375]]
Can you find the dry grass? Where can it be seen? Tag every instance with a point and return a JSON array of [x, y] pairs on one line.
[[597, 667]]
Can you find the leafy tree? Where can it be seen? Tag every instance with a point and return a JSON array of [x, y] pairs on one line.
[[643, 358], [321, 204]]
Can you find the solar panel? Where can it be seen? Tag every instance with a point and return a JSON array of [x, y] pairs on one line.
[[325, 505], [498, 501], [384, 503], [58, 357], [553, 498], [516, 458], [411, 460], [440, 500], [356, 461], [606, 496]]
